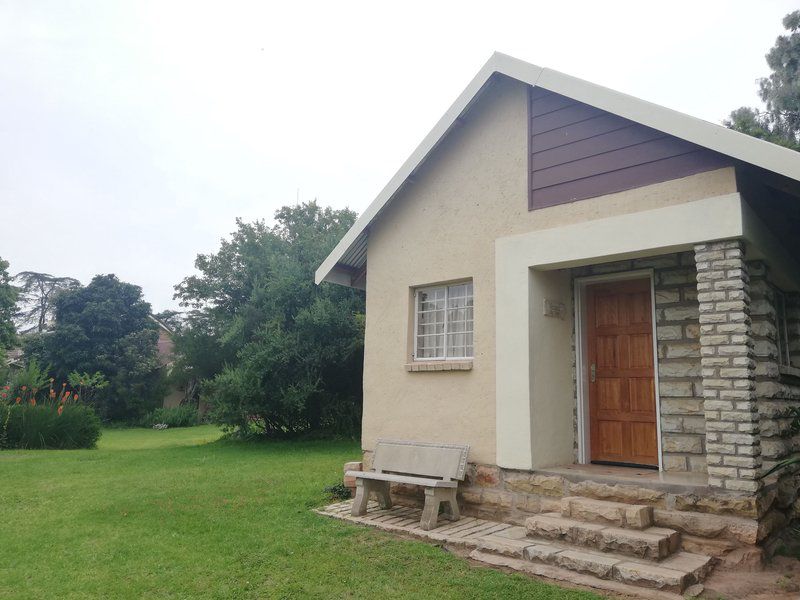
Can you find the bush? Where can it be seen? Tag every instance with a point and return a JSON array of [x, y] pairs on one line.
[[338, 491], [39, 426], [184, 415]]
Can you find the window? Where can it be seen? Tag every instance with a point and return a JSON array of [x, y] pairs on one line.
[[443, 322], [783, 331]]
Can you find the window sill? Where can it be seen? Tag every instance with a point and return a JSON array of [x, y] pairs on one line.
[[788, 371], [439, 365]]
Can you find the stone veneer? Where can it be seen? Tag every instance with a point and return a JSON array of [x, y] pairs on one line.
[[718, 524], [677, 333], [733, 448], [777, 387]]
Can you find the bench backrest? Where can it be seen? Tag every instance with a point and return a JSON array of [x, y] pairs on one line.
[[444, 461]]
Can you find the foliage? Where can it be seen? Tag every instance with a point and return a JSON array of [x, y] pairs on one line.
[[88, 385], [171, 514], [31, 378], [8, 302], [105, 327], [37, 298], [792, 412], [183, 415], [172, 319], [41, 426], [780, 91], [57, 421], [337, 491], [276, 353]]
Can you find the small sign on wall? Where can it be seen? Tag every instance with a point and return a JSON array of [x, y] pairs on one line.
[[553, 308]]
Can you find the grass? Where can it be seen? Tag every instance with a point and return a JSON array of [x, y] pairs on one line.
[[178, 514]]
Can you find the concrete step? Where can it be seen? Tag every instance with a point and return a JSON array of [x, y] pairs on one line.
[[618, 514], [654, 543]]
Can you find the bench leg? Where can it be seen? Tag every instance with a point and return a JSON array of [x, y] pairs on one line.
[[359, 508], [382, 491], [451, 512], [363, 489], [430, 512], [434, 497]]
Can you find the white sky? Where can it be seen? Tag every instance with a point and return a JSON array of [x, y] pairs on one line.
[[133, 133]]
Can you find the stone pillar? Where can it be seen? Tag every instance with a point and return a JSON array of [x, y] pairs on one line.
[[728, 368]]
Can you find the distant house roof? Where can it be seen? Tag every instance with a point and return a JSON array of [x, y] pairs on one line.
[[161, 325], [348, 258]]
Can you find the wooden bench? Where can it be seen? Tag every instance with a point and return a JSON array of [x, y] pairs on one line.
[[437, 467]]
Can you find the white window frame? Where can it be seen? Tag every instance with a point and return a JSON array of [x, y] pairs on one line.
[[446, 287]]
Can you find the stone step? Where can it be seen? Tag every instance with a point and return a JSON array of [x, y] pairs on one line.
[[618, 514], [673, 574], [616, 589], [653, 543]]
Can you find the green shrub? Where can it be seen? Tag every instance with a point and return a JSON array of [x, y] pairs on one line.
[[337, 491], [184, 415], [30, 426]]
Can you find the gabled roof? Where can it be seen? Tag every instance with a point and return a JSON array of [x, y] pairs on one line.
[[345, 263]]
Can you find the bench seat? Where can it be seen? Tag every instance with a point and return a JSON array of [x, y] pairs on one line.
[[436, 467], [391, 477]]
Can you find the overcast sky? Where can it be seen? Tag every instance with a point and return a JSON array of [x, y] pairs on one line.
[[132, 134]]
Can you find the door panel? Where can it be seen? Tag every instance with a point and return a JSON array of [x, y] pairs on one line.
[[622, 407]]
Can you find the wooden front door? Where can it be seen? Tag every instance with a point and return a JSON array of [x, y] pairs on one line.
[[622, 402]]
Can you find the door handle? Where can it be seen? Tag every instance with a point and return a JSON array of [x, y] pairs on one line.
[[593, 372]]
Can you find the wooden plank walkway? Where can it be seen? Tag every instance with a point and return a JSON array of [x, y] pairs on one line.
[[402, 519]]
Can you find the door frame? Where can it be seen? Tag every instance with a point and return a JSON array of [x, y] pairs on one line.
[[581, 356]]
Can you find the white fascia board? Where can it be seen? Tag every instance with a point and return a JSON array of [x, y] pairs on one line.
[[709, 135], [430, 142]]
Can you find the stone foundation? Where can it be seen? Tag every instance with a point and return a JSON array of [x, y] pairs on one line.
[[725, 525]]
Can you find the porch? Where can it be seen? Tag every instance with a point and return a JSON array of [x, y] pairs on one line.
[[724, 324]]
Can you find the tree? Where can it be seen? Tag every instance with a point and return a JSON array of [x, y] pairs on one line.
[[8, 301], [780, 122], [171, 319], [273, 349], [37, 295], [105, 327]]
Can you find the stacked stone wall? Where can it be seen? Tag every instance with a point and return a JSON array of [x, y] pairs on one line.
[[732, 423], [714, 523], [777, 386]]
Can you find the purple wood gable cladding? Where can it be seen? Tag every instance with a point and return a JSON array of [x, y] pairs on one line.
[[578, 151]]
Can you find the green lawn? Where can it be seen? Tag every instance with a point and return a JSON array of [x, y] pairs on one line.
[[177, 514]]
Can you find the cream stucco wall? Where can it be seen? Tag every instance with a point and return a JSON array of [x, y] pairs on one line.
[[442, 227]]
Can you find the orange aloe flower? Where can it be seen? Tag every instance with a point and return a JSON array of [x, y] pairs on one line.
[[24, 387], [3, 395], [33, 401], [19, 399], [60, 410], [75, 397]]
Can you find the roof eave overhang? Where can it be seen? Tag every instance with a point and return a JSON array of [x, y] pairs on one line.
[[703, 133]]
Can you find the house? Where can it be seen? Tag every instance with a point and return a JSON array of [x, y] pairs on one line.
[[166, 356], [598, 294]]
